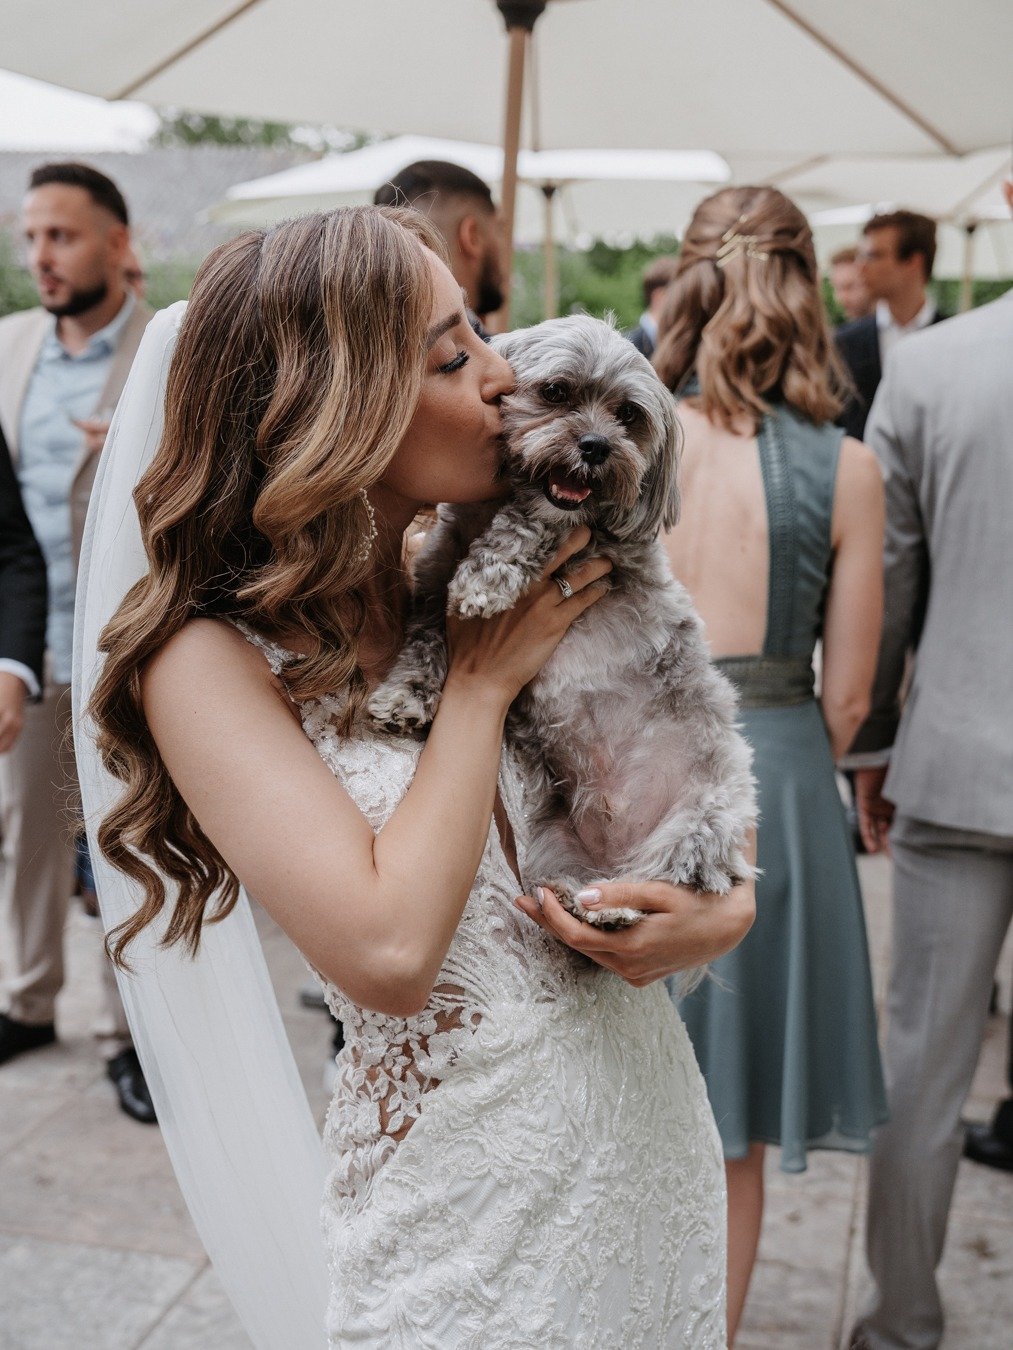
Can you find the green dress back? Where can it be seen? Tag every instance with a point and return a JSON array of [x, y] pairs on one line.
[[784, 1027]]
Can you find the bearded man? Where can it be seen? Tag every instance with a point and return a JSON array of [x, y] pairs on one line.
[[62, 369]]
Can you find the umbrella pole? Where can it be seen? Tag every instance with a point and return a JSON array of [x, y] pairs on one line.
[[551, 280], [520, 17], [511, 145], [967, 280]]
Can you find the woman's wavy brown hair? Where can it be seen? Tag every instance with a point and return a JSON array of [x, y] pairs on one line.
[[297, 370], [745, 313]]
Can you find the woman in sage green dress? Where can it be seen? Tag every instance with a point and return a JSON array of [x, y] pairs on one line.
[[780, 545]]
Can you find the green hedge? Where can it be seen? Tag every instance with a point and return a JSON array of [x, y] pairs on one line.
[[601, 280]]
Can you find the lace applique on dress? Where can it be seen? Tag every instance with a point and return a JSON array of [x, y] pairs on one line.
[[531, 1160]]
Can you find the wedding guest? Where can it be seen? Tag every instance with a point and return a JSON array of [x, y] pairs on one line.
[[657, 275], [848, 284], [22, 607], [780, 544], [461, 207], [896, 257], [938, 781], [62, 367]]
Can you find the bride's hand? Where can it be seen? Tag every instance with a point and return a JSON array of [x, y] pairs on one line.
[[504, 652], [681, 928]]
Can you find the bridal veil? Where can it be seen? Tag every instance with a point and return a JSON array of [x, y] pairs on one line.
[[230, 1104]]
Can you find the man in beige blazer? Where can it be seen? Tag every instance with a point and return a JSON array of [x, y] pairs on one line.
[[62, 369]]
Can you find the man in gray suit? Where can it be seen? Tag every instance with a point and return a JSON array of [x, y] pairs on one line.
[[942, 426]]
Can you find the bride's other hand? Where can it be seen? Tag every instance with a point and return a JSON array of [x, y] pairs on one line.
[[681, 928], [503, 652]]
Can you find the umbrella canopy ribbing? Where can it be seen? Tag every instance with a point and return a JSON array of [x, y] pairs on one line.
[[788, 79]]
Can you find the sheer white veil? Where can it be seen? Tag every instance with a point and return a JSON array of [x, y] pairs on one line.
[[230, 1104]]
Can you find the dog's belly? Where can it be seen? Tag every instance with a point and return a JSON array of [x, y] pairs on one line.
[[621, 764]]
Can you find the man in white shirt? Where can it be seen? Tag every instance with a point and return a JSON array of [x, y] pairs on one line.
[[896, 256]]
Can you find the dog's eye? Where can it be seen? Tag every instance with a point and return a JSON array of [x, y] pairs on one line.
[[627, 414], [555, 392]]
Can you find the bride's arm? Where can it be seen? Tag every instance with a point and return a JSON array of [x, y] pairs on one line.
[[373, 913], [681, 928]]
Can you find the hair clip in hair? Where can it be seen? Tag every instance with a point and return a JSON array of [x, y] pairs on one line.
[[733, 244], [369, 538]]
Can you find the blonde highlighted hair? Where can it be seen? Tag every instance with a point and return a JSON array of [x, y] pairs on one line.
[[745, 314], [296, 373]]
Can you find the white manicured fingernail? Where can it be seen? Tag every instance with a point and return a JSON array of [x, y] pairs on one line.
[[588, 897], [539, 896]]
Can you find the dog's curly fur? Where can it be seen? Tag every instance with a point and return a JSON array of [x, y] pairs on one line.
[[634, 766]]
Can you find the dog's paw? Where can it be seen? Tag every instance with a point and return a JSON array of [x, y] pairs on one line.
[[566, 893], [477, 591], [401, 708], [471, 598]]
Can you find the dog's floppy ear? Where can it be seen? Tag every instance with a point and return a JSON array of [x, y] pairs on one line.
[[659, 500]]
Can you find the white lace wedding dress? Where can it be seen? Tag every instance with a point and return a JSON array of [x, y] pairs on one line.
[[529, 1162]]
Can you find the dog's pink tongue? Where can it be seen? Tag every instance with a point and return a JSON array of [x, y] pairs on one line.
[[567, 486]]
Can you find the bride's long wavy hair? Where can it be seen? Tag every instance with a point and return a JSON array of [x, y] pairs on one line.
[[744, 312], [297, 370]]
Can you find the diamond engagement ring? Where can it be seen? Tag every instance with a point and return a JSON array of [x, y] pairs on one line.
[[563, 585]]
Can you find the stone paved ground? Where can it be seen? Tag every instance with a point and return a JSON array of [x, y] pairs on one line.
[[97, 1251]]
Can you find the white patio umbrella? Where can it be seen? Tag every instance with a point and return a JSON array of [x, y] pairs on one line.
[[771, 85], [593, 187]]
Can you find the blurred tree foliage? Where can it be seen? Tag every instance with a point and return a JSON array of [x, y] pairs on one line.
[[169, 282], [181, 126], [599, 280], [17, 290]]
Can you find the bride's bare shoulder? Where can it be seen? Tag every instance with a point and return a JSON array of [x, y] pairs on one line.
[[204, 653]]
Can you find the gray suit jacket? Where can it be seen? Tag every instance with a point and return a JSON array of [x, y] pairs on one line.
[[21, 337], [942, 426]]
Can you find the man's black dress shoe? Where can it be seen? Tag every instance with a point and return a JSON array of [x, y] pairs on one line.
[[128, 1077], [17, 1037], [992, 1144]]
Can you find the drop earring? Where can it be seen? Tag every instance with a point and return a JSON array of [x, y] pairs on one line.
[[371, 533]]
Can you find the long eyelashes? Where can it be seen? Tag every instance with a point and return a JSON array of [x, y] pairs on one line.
[[461, 359]]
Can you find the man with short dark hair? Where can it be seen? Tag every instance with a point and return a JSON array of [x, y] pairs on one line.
[[461, 207], [896, 257], [656, 279], [62, 369], [848, 284]]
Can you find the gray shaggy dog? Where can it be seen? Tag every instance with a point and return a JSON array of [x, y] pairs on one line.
[[633, 764]]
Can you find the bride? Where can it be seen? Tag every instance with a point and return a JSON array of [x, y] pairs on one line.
[[519, 1149]]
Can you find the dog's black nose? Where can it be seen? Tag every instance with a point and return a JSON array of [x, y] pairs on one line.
[[594, 449]]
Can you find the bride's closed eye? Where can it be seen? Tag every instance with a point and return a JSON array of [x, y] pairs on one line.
[[461, 359]]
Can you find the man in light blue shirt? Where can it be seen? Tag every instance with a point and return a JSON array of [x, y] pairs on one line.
[[63, 393], [62, 368]]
